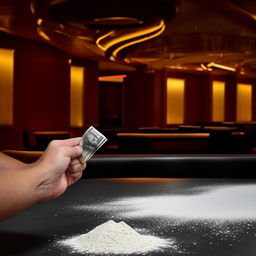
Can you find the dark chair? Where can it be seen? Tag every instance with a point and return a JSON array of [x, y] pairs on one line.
[[43, 138]]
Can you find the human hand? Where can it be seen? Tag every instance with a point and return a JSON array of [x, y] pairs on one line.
[[59, 167]]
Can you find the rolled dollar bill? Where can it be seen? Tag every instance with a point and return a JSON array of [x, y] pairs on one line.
[[91, 141]]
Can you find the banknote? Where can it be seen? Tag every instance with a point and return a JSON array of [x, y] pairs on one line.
[[91, 141]]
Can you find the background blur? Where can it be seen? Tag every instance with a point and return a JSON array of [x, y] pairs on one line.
[[163, 76]]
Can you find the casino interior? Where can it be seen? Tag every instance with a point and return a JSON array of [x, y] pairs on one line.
[[163, 78], [170, 83]]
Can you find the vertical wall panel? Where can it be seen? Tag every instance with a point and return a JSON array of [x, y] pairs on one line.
[[197, 99], [175, 101], [139, 102], [6, 86], [244, 102], [218, 101], [76, 96], [230, 99], [41, 92]]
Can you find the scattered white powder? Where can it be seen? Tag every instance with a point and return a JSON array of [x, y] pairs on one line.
[[216, 215], [116, 238], [231, 202]]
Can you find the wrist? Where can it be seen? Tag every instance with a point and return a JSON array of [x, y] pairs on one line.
[[44, 182], [35, 178]]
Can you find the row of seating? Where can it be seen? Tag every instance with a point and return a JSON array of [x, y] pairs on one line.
[[208, 137], [184, 139]]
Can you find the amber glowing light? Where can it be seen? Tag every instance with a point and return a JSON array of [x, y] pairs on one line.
[[218, 101], [158, 31], [216, 65], [110, 39], [6, 86], [76, 96], [244, 102], [43, 34], [113, 78], [175, 101]]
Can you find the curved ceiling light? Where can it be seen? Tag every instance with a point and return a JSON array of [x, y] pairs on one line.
[[112, 43], [199, 32], [114, 24], [221, 66], [100, 29], [158, 31]]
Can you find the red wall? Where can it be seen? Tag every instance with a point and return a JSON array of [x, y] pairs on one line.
[[145, 97], [41, 91], [145, 103], [139, 100], [41, 94], [197, 99]]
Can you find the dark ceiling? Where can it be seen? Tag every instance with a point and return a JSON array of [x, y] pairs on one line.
[[174, 34]]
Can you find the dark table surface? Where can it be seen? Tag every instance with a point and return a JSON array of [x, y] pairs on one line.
[[201, 216]]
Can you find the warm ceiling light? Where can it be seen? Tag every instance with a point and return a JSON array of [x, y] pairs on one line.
[[110, 39], [112, 78], [33, 8], [99, 39], [210, 64], [213, 64], [43, 35], [39, 22], [176, 67], [204, 67], [242, 72], [158, 31]]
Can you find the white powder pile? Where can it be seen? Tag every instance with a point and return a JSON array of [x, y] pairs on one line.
[[115, 238]]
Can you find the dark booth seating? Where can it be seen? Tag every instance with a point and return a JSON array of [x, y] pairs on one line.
[[182, 166], [163, 143], [43, 138]]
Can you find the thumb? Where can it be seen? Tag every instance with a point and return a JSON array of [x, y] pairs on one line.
[[73, 152]]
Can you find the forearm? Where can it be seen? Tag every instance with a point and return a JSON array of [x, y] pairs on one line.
[[9, 163], [18, 190], [47, 178]]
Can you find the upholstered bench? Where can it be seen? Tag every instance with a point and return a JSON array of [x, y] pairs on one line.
[[203, 166]]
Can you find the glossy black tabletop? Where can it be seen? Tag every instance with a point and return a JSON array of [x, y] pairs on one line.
[[201, 216]]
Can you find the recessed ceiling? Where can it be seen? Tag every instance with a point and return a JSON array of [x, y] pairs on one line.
[[159, 34], [91, 14]]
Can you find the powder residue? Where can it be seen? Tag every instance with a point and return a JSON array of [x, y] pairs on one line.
[[235, 202], [116, 238]]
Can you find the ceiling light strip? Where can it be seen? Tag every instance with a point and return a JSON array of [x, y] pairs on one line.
[[213, 64], [116, 51], [126, 37]]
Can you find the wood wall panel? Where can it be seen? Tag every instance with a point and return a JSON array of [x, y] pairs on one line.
[[230, 97], [42, 91], [197, 106], [139, 100], [91, 94]]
